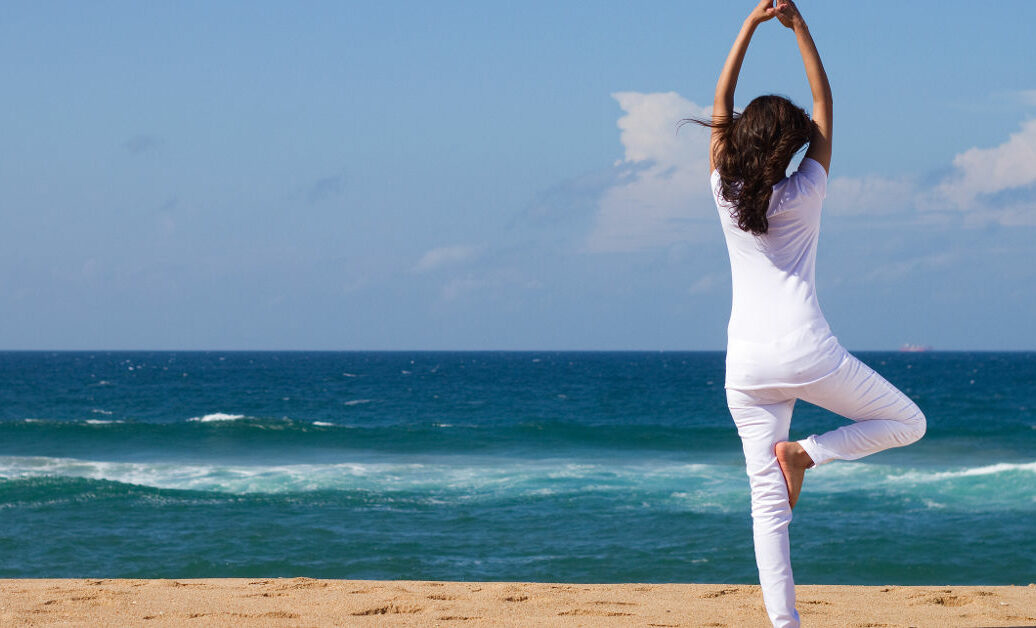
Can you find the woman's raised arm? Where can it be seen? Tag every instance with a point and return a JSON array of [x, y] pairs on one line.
[[723, 104], [820, 142]]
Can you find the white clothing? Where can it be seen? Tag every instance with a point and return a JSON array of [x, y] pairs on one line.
[[779, 349], [777, 335], [885, 418]]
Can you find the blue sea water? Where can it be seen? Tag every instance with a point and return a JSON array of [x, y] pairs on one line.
[[570, 466]]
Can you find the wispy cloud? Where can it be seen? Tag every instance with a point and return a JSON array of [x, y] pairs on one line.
[[1027, 97], [870, 195], [910, 267], [503, 283], [445, 256], [708, 283]]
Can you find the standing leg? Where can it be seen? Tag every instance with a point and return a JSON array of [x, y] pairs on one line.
[[762, 423], [884, 416]]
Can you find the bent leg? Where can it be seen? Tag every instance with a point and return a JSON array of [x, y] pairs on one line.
[[761, 426], [884, 416]]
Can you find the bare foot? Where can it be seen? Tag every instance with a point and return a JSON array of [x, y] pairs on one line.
[[794, 461]]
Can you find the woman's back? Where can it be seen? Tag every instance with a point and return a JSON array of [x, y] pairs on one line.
[[777, 334]]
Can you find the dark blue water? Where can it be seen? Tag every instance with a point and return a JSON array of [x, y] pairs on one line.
[[592, 467]]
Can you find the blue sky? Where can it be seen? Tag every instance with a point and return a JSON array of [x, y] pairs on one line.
[[471, 175]]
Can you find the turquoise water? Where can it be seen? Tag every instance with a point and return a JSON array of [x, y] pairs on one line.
[[585, 467]]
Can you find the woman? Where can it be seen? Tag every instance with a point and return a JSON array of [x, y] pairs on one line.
[[779, 346]]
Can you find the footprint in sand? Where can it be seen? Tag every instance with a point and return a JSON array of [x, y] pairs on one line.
[[176, 583], [596, 613], [719, 593], [951, 600], [304, 583], [390, 609], [616, 603]]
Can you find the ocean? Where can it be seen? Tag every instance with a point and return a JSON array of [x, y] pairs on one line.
[[533, 466]]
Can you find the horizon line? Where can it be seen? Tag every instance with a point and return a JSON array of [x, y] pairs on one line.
[[96, 350]]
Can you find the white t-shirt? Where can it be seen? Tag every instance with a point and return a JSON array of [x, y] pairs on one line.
[[777, 335]]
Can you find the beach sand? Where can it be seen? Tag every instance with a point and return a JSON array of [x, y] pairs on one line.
[[241, 602]]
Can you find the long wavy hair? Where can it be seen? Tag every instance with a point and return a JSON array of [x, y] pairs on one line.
[[754, 150]]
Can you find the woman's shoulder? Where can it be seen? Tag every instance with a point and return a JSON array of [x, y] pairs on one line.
[[812, 170], [806, 187], [810, 179]]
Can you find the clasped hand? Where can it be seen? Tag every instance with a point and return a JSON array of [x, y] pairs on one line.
[[785, 11]]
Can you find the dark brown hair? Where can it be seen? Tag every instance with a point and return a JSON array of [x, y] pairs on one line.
[[754, 150]]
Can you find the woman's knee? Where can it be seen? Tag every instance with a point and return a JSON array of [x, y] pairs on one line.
[[916, 425], [919, 426]]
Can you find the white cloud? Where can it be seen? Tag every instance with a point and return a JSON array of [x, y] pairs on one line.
[[498, 282], [982, 171], [901, 269], [459, 286], [977, 174], [444, 256], [1021, 215], [869, 195], [663, 182], [658, 195], [707, 283]]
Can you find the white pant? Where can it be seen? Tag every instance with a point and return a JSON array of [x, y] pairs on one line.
[[885, 418]]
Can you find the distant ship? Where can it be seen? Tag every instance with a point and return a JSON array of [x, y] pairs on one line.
[[909, 348]]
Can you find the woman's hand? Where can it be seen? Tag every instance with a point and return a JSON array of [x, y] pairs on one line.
[[788, 14], [723, 104], [762, 12]]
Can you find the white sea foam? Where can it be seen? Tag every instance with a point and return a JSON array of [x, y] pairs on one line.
[[323, 424], [451, 481], [217, 416], [695, 487], [357, 402], [99, 411], [1002, 467], [100, 422]]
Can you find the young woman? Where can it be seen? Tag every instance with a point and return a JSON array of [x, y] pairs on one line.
[[779, 346]]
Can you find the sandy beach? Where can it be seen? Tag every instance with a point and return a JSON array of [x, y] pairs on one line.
[[309, 602]]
